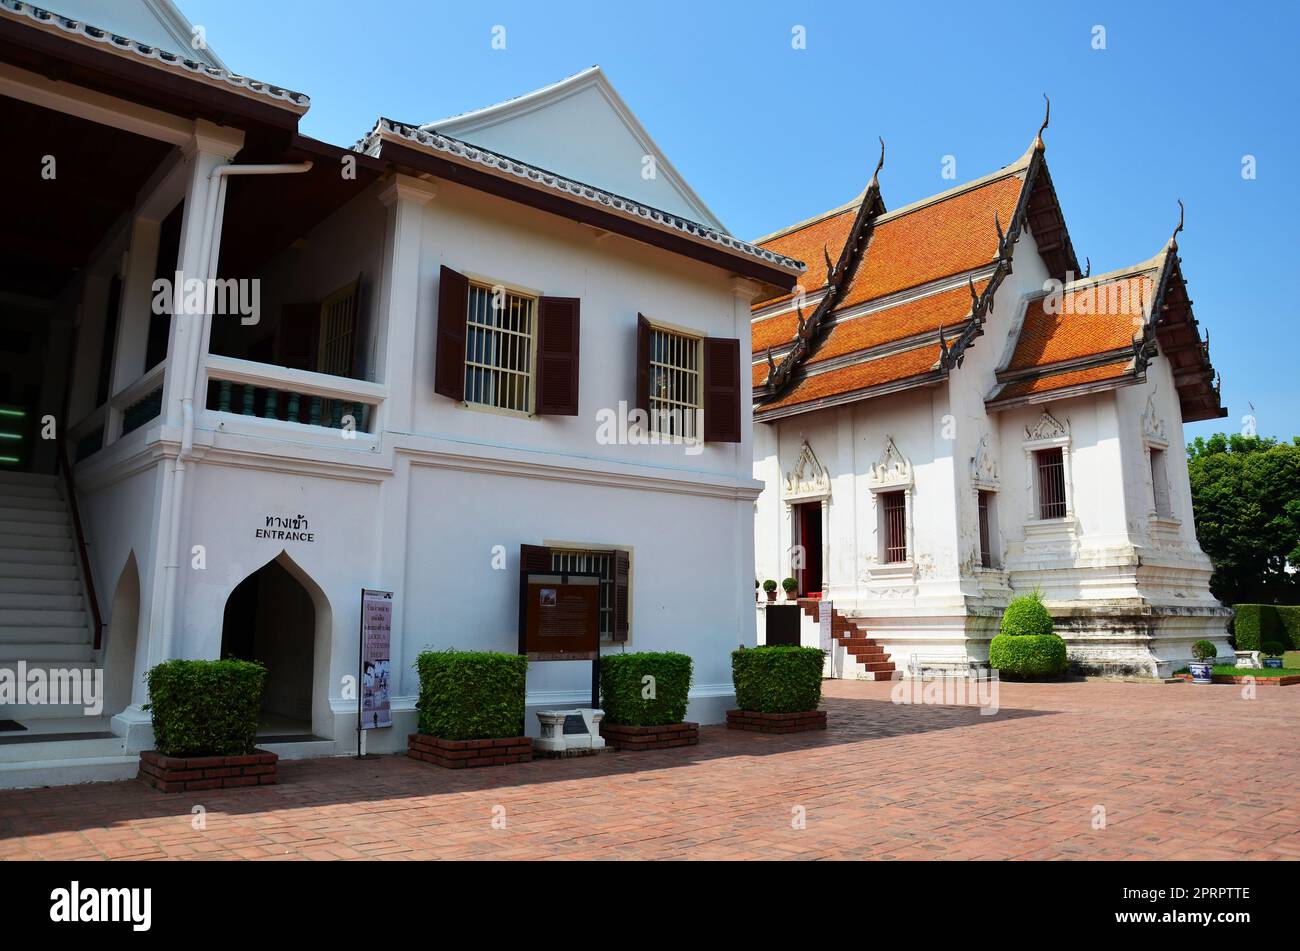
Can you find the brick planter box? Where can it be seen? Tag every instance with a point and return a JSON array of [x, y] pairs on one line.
[[171, 774], [621, 737], [459, 754], [776, 722], [1263, 680]]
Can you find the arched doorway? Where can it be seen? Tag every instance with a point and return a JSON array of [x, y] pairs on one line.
[[272, 617], [123, 634]]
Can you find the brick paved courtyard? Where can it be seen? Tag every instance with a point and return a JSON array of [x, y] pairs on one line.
[[1182, 772]]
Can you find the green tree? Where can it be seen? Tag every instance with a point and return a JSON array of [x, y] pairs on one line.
[[1246, 498]]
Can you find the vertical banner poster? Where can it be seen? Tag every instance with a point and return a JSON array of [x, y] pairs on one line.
[[824, 613], [376, 663]]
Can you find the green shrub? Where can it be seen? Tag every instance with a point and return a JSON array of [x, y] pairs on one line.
[[623, 688], [1253, 625], [471, 695], [1204, 650], [778, 679], [1273, 649], [1288, 621], [1026, 616], [205, 707], [1028, 655], [769, 585], [790, 585]]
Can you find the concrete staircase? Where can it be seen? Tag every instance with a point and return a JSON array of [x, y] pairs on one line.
[[45, 621], [868, 657]]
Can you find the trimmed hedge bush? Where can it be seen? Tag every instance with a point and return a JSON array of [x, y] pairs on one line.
[[1028, 655], [1257, 624], [623, 688], [205, 707], [778, 679], [1204, 650], [1026, 616], [1272, 649], [471, 695]]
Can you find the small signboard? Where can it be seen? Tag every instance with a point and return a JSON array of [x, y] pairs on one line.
[[825, 611], [561, 616], [376, 662]]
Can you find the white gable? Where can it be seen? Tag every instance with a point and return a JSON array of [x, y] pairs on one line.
[[153, 22], [581, 128]]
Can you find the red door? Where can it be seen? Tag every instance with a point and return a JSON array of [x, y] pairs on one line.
[[809, 521]]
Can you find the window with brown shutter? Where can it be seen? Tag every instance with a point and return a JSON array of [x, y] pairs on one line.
[[721, 389], [449, 358], [643, 330], [557, 356], [622, 573]]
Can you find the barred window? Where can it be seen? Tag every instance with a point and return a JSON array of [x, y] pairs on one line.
[[893, 514], [601, 562], [1160, 483], [1051, 482], [986, 530], [499, 349], [675, 402]]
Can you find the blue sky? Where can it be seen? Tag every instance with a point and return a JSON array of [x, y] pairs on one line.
[[768, 134]]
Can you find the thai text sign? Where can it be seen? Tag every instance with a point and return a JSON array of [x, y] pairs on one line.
[[376, 663]]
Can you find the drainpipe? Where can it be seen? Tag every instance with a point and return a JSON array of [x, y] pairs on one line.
[[192, 369]]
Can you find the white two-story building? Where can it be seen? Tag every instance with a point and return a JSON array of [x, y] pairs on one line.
[[947, 414], [403, 362]]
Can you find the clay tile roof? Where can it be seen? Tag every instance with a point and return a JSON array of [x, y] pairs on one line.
[[806, 242], [933, 241], [859, 376], [1057, 381], [924, 315], [773, 331], [1087, 318], [759, 372]]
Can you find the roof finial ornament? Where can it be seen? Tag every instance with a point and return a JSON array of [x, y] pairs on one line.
[[1038, 139], [875, 176], [945, 358], [1173, 238], [1087, 267], [1002, 238], [771, 364], [830, 268], [974, 298]]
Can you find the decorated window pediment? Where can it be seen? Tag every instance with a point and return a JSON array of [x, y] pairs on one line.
[[1153, 425], [893, 470], [984, 466], [807, 479], [1048, 429]]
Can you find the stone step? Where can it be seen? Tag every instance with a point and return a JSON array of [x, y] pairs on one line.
[[45, 516], [876, 666], [47, 635], [41, 600], [23, 572], [22, 530], [13, 541], [28, 556], [35, 652], [38, 619], [33, 499], [10, 478]]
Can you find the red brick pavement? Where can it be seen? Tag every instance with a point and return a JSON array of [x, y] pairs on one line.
[[1182, 772]]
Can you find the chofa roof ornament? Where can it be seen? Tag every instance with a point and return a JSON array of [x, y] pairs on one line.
[[1038, 139]]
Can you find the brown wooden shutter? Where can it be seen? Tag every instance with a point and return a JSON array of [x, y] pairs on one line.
[[453, 313], [642, 363], [557, 356], [622, 572], [531, 558], [534, 558], [721, 389]]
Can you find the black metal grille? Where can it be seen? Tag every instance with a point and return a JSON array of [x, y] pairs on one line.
[[986, 531], [894, 511], [1051, 483]]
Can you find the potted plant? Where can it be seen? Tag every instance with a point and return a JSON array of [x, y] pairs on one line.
[[790, 586], [778, 689], [205, 715], [471, 709], [770, 587], [757, 585], [1202, 665], [644, 696], [1273, 654]]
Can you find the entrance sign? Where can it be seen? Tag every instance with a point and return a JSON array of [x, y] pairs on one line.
[[825, 613], [373, 704]]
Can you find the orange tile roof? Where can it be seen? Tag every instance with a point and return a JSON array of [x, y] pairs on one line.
[[927, 314], [774, 331], [1058, 381], [805, 244], [1092, 319], [859, 376], [937, 240]]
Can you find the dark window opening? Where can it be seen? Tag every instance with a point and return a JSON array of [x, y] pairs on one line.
[[893, 507], [1051, 482]]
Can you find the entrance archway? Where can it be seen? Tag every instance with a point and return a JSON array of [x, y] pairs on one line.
[[120, 661], [279, 617]]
